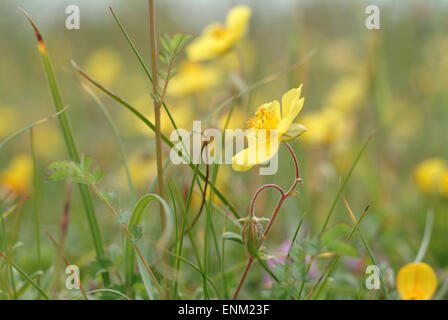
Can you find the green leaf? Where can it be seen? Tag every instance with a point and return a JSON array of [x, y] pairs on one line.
[[137, 232], [185, 39], [98, 175], [298, 270], [77, 173], [341, 248], [166, 42], [335, 233], [312, 247], [233, 237], [100, 265], [123, 217], [279, 271], [163, 56]]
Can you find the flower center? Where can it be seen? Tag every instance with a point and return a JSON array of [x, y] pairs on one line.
[[265, 118], [219, 33]]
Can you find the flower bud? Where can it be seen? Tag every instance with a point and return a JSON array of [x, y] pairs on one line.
[[252, 236]]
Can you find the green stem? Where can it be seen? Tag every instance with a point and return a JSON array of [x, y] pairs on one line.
[[157, 102], [36, 200], [70, 143], [347, 177]]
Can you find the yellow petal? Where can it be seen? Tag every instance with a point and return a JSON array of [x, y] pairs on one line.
[[287, 121], [214, 40], [416, 281], [237, 20], [289, 100], [256, 153], [193, 77]]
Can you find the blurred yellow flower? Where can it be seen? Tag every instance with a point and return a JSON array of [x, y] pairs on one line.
[[269, 117], [18, 175], [328, 126], [428, 175], [336, 121], [416, 281], [218, 38], [142, 168], [105, 65], [47, 140], [347, 93], [9, 120], [193, 77]]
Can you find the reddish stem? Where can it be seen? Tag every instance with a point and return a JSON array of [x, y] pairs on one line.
[[243, 277], [274, 215], [252, 203]]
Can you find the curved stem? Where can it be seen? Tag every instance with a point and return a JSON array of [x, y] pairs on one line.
[[252, 202], [296, 164], [274, 215]]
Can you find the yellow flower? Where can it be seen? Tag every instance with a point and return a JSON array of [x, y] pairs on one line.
[[328, 126], [218, 38], [268, 128], [105, 65], [48, 141], [9, 120], [143, 169], [193, 77], [17, 176], [428, 175], [416, 281], [347, 94]]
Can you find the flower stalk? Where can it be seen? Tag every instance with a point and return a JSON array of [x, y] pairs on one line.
[[283, 197], [157, 103]]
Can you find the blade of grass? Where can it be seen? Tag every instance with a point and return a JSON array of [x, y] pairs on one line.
[[344, 182], [112, 125], [152, 127], [134, 49], [118, 293], [183, 228], [70, 143], [426, 236], [36, 209], [135, 219], [142, 63], [191, 264], [330, 267], [25, 275], [13, 208], [368, 249], [30, 126]]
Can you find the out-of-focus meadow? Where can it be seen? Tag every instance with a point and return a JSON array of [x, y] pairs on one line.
[[392, 81]]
